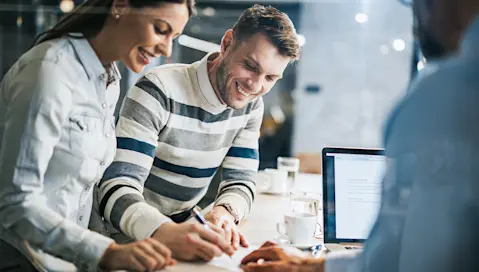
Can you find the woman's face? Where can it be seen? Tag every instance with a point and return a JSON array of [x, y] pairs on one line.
[[147, 33]]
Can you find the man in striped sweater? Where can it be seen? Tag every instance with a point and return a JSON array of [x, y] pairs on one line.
[[180, 123]]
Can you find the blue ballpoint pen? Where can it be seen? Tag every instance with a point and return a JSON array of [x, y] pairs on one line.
[[196, 213]]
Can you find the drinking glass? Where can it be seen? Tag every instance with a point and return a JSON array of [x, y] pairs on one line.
[[290, 165]]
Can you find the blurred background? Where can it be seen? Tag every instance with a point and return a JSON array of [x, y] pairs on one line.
[[358, 57]]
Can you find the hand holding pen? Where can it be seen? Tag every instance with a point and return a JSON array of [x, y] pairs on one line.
[[199, 217], [192, 241]]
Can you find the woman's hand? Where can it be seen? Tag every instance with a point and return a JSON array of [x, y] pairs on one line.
[[145, 255]]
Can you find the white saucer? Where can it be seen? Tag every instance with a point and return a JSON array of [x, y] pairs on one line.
[[314, 243]]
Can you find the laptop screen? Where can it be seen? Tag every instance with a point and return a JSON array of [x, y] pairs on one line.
[[351, 192]]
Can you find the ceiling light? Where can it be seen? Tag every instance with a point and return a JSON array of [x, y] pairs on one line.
[[361, 18], [399, 45], [19, 21], [209, 11], [66, 5]]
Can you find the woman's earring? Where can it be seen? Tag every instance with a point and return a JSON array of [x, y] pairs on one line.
[[117, 16]]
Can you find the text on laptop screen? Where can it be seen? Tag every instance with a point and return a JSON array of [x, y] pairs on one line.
[[354, 194]]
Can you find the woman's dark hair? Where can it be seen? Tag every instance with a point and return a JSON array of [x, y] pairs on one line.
[[89, 18]]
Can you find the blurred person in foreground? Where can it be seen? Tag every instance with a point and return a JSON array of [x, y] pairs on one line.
[[57, 134], [180, 123], [428, 217]]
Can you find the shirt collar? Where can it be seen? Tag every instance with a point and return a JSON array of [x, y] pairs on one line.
[[204, 81], [113, 73], [90, 61], [471, 39]]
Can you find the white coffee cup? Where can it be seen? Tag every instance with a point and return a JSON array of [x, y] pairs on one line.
[[272, 181], [299, 228]]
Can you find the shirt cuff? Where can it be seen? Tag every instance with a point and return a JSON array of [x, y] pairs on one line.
[[94, 246], [142, 220]]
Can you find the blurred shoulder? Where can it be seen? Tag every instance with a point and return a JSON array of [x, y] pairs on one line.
[[55, 58]]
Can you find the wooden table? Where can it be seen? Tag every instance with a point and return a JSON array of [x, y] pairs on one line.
[[260, 226]]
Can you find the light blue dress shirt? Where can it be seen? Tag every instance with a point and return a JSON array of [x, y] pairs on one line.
[[56, 139]]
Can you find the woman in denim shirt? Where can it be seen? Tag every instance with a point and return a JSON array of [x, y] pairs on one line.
[[57, 134]]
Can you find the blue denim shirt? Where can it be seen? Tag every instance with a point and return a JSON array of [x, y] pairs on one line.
[[429, 215], [56, 139]]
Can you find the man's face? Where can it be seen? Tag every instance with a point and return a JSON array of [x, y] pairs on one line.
[[440, 24], [424, 29], [249, 70]]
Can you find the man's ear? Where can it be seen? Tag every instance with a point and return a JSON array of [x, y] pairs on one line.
[[227, 41], [119, 7]]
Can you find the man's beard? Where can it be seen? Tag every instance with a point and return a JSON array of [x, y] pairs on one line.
[[431, 48], [221, 78]]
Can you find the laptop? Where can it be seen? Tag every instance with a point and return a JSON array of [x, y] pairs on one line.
[[352, 180]]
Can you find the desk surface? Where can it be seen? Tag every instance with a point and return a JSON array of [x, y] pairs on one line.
[[260, 226]]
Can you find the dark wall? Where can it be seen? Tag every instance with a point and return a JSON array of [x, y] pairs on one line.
[[17, 32], [20, 22]]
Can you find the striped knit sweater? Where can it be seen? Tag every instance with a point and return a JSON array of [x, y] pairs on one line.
[[173, 134]]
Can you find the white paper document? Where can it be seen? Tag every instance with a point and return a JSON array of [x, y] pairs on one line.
[[222, 263]]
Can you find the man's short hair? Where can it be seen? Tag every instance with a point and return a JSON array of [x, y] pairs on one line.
[[271, 22]]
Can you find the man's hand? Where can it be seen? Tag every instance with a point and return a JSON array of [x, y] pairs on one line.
[[272, 258], [221, 218], [193, 241]]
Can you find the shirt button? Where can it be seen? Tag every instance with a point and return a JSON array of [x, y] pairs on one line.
[[103, 105], [87, 188], [108, 135], [80, 218], [102, 76], [102, 163]]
